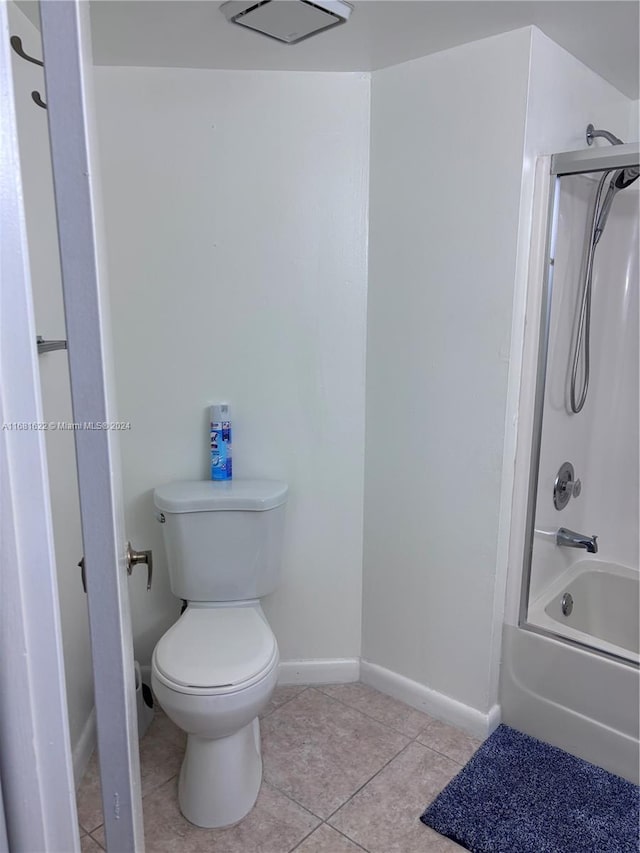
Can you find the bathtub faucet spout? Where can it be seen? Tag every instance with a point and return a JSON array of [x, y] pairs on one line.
[[570, 539]]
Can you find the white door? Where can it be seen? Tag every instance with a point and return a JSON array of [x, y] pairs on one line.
[[35, 754], [68, 68]]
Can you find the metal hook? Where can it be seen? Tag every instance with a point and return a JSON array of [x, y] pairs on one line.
[[16, 44], [38, 100]]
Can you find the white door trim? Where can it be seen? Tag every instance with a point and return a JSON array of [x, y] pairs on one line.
[[66, 41], [35, 754]]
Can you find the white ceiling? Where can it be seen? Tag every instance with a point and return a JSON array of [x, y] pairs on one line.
[[604, 34]]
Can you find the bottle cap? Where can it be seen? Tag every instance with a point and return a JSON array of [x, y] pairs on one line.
[[219, 412]]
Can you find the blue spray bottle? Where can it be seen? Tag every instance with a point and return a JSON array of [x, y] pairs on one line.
[[220, 442]]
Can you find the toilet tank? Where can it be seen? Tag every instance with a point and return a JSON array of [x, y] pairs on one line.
[[223, 539]]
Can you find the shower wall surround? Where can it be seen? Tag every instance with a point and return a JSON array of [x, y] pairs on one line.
[[564, 96], [601, 441]]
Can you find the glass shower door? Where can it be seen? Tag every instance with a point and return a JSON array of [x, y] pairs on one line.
[[581, 563]]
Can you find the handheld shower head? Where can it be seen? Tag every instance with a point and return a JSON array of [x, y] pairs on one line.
[[620, 181]]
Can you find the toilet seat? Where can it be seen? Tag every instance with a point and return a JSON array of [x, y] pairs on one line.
[[215, 650]]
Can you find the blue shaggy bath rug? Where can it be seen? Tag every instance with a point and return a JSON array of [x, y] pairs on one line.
[[520, 795]]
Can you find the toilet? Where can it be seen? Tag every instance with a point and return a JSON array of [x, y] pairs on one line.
[[213, 672]]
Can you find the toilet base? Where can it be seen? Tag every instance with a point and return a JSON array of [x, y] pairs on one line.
[[220, 779]]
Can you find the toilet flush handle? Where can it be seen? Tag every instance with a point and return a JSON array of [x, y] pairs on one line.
[[135, 557]]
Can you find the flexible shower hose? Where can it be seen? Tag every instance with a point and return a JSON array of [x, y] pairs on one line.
[[583, 331]]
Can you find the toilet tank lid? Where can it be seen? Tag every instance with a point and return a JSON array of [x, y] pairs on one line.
[[209, 495]]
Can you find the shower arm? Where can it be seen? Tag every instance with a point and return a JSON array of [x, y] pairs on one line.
[[592, 133]]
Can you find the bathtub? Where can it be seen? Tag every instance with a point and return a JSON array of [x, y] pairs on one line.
[[580, 699], [601, 608]]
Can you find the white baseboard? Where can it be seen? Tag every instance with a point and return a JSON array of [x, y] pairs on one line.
[[83, 749], [319, 671], [435, 704], [494, 718], [347, 670]]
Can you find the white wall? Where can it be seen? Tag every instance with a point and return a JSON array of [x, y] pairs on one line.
[[47, 292], [236, 209], [564, 97], [447, 137]]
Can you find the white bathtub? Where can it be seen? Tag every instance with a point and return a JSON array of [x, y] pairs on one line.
[[580, 700], [604, 608]]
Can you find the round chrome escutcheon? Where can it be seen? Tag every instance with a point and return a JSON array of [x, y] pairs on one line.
[[563, 486]]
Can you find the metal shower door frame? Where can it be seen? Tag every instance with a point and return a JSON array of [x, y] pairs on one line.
[[562, 164]]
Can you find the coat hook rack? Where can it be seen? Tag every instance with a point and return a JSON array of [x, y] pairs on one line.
[[16, 44]]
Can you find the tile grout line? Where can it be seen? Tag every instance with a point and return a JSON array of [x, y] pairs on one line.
[[95, 829], [321, 821], [404, 748], [308, 835], [395, 755], [286, 701], [295, 802], [95, 839], [353, 708], [344, 835], [386, 764], [412, 739], [355, 793], [319, 826], [391, 728], [432, 749]]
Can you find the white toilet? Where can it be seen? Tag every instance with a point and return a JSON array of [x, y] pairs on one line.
[[214, 671]]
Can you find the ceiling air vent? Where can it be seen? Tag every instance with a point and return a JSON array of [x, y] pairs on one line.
[[289, 21]]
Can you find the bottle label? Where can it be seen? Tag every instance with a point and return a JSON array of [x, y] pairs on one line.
[[221, 464]]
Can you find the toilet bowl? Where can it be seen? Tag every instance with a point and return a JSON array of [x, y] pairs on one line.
[[213, 673]]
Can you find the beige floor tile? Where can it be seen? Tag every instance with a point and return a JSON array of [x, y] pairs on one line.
[[281, 695], [453, 743], [88, 797], [381, 707], [89, 845], [275, 825], [161, 752], [325, 839], [384, 817], [319, 751]]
